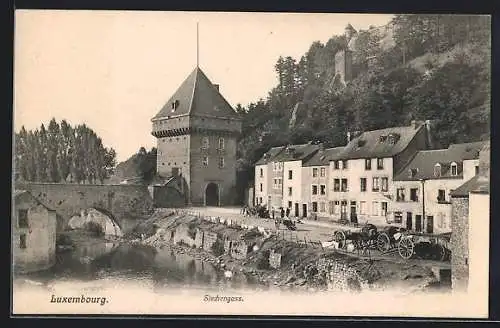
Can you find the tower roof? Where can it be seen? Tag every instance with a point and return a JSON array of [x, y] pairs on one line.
[[197, 96]]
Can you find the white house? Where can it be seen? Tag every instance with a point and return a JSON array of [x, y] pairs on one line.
[[422, 188], [361, 174], [264, 172]]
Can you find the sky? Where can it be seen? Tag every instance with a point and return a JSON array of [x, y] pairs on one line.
[[114, 70]]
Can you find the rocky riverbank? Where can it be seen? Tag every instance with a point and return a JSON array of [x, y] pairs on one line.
[[275, 263]]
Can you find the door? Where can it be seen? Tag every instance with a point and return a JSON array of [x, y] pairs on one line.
[[304, 210], [297, 209], [212, 195], [418, 223], [409, 221], [430, 224], [343, 210], [354, 215]]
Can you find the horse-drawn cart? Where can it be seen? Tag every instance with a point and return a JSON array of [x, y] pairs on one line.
[[368, 237], [425, 246]]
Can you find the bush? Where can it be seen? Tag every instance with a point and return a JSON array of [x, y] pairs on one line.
[[94, 228], [218, 248], [263, 260]]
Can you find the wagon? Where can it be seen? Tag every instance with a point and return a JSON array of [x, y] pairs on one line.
[[369, 237], [425, 246]]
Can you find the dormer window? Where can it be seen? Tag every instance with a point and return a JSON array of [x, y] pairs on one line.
[[412, 173], [382, 138], [454, 169], [175, 105], [437, 170], [393, 138]]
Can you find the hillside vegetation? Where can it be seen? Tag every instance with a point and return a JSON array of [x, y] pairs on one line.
[[418, 67]]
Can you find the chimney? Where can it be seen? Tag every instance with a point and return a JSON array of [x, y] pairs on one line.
[[216, 86]]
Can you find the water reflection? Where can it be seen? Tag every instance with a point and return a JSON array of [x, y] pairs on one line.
[[107, 261]]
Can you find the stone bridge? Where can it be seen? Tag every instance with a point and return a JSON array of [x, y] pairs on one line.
[[126, 203]]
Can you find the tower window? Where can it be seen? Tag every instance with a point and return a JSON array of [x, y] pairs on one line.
[[221, 143], [205, 160], [205, 143], [175, 105], [221, 162], [22, 217]]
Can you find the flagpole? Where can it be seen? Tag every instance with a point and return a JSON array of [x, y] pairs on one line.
[[197, 46]]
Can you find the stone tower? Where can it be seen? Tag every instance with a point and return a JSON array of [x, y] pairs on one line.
[[343, 58], [197, 133]]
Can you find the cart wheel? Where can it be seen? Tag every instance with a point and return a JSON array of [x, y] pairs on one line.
[[340, 238], [406, 248], [383, 242]]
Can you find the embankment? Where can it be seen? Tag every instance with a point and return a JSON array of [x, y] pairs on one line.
[[272, 261]]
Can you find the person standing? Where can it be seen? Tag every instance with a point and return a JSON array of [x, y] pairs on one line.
[[287, 212]]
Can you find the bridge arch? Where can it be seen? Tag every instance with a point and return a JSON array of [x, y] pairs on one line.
[[102, 217]]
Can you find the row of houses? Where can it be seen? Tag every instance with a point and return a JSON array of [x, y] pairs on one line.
[[397, 175]]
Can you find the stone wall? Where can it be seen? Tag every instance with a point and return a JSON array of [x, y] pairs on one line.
[[69, 199], [459, 242], [340, 276], [274, 259]]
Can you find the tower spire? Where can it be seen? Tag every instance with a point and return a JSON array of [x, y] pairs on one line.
[[197, 46]]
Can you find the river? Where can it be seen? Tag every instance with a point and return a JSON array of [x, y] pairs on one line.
[[98, 260]]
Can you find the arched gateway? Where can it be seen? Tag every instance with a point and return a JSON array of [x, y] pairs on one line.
[[212, 194]]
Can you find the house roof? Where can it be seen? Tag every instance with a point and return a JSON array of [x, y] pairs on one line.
[[370, 145], [297, 152], [269, 155], [197, 96], [478, 184], [322, 157], [424, 162]]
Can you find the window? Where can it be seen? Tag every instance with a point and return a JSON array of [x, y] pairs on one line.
[[336, 165], [343, 209], [477, 169], [441, 195], [375, 186], [322, 207], [315, 172], [400, 195], [322, 189], [414, 194], [343, 186], [363, 184], [336, 207], [261, 187], [322, 172], [398, 217], [315, 206], [454, 171], [289, 191], [344, 164], [362, 208], [205, 143], [437, 170], [375, 208], [205, 160], [221, 143], [380, 163], [442, 220], [260, 200], [22, 218], [261, 173], [290, 174], [336, 184], [383, 209], [289, 204], [314, 190], [330, 207], [385, 184], [22, 240], [368, 164], [221, 162]]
